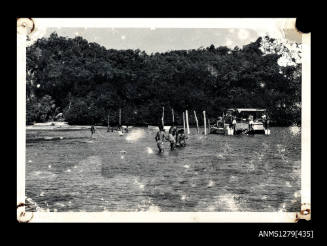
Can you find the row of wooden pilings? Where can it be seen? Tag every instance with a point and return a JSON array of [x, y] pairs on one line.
[[186, 125]]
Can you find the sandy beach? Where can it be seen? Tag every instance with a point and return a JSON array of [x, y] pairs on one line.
[[59, 126]]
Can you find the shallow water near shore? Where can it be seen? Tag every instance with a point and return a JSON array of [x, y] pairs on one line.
[[70, 171]]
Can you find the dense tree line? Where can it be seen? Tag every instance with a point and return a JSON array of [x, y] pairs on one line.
[[87, 82]]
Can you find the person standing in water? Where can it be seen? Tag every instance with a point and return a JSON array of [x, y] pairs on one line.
[[265, 121], [172, 137], [234, 125], [92, 130], [250, 122], [160, 138], [181, 138], [120, 130]]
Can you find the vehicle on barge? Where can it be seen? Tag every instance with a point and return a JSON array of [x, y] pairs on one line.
[[242, 121]]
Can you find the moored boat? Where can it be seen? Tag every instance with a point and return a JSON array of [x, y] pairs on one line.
[[242, 121]]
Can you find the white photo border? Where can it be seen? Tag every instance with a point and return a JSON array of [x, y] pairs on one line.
[[35, 27]]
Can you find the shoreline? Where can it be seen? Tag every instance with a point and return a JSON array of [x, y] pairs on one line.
[[63, 126], [60, 127]]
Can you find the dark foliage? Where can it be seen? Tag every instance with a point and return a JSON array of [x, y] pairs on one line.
[[88, 82]]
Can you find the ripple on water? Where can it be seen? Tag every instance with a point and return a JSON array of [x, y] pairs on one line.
[[225, 203], [43, 175], [212, 173]]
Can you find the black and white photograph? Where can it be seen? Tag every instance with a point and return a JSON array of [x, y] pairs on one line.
[[189, 118]]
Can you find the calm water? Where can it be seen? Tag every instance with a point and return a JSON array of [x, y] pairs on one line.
[[125, 173]]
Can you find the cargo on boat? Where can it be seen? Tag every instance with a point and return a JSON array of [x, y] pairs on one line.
[[242, 121]]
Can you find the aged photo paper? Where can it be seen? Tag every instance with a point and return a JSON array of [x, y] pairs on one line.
[[75, 185]]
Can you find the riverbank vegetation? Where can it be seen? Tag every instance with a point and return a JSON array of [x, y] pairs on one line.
[[87, 82]]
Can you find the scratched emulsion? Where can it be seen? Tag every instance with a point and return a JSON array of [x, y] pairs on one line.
[[125, 173]]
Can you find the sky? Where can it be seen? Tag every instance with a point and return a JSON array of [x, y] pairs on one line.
[[163, 39], [153, 40]]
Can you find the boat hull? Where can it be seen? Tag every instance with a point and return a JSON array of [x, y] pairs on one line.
[[240, 128], [217, 130]]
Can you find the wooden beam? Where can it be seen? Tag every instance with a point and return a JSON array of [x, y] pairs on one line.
[[184, 121], [119, 117], [163, 116], [108, 123], [197, 122], [187, 124], [205, 122]]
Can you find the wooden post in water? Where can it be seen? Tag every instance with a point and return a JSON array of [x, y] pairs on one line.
[[119, 122], [163, 116], [108, 123], [187, 124], [205, 122], [209, 125], [172, 112], [184, 121], [197, 122]]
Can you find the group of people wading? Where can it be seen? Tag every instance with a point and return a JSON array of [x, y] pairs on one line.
[[176, 138]]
